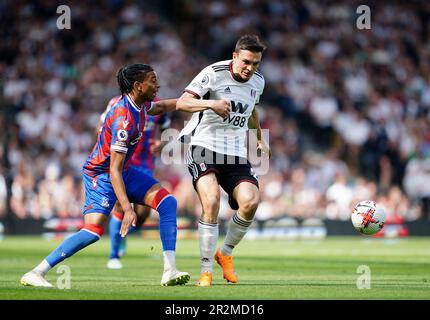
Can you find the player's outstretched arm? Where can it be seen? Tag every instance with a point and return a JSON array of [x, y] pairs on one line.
[[189, 103], [254, 123], [162, 106], [116, 166]]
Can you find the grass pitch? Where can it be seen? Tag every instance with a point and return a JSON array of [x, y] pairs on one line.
[[267, 269]]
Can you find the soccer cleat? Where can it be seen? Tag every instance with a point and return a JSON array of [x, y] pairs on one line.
[[114, 264], [34, 279], [226, 263], [174, 278], [205, 279]]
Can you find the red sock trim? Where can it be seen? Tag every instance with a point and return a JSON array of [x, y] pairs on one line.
[[118, 215], [94, 228], [161, 194]]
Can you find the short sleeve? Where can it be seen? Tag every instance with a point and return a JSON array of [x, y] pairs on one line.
[[259, 92], [202, 83], [103, 116], [121, 130], [109, 106]]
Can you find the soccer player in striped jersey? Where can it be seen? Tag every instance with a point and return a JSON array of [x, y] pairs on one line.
[[108, 177], [218, 155], [142, 160]]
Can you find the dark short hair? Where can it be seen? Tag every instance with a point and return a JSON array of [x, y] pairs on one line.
[[250, 42], [128, 75]]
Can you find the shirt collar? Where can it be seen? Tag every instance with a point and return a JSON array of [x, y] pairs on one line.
[[134, 105]]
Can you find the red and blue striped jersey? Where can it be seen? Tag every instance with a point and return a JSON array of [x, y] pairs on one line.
[[143, 157], [121, 132]]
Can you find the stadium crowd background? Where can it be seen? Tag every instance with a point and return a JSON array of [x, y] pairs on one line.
[[348, 110]]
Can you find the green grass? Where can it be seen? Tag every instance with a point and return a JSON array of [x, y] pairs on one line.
[[275, 269]]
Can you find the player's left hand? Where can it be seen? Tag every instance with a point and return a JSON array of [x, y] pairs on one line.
[[155, 146], [263, 147], [129, 220]]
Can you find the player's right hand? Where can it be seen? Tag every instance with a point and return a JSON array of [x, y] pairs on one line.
[[221, 108], [129, 220]]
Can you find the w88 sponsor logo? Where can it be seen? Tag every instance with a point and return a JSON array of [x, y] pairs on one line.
[[238, 121]]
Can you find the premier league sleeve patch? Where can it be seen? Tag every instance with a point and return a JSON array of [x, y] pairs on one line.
[[120, 143], [205, 80], [202, 83], [122, 135]]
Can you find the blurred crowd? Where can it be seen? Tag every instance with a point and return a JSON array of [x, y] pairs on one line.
[[348, 110]]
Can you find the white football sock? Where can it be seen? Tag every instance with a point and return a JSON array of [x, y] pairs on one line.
[[237, 228], [43, 267], [169, 260], [208, 237]]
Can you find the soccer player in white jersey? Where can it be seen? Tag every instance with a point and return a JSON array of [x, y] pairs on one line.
[[225, 94]]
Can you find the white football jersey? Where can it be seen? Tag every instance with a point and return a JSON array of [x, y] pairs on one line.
[[209, 130]]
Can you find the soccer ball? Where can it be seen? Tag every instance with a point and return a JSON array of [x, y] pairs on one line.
[[368, 218]]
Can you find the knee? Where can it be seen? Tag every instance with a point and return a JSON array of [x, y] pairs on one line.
[[211, 204], [249, 203], [173, 202], [95, 229], [117, 215], [164, 197]]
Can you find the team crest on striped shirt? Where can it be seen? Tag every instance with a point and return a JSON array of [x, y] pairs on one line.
[[105, 202]]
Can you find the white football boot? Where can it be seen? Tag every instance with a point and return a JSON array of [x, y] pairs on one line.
[[114, 264], [34, 279], [174, 278]]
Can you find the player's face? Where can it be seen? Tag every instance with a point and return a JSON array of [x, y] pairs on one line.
[[149, 86], [245, 63]]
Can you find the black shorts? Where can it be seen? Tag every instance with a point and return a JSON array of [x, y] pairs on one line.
[[229, 170]]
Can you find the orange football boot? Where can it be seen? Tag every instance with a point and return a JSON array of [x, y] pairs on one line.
[[226, 263], [205, 279]]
